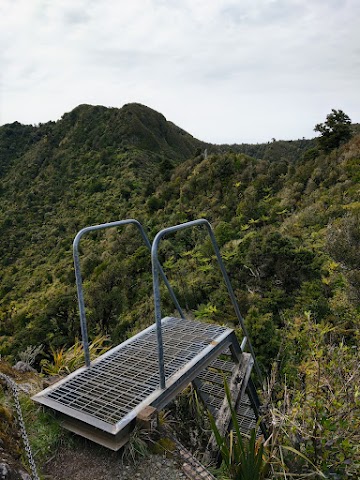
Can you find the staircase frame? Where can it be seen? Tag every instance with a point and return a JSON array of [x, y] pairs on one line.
[[130, 385]]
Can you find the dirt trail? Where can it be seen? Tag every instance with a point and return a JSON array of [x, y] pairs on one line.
[[87, 460]]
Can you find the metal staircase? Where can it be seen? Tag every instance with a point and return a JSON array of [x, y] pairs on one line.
[[102, 400]]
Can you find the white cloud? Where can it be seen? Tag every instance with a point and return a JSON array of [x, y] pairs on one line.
[[224, 70]]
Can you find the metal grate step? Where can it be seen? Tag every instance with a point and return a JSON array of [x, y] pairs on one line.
[[223, 365], [111, 392], [246, 416]]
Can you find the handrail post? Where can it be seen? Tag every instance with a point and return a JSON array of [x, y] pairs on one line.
[[80, 291], [158, 322], [79, 283]]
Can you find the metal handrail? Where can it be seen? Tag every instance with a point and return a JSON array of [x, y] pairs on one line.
[[79, 285], [155, 270]]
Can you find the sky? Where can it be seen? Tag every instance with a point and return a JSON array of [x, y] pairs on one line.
[[226, 71]]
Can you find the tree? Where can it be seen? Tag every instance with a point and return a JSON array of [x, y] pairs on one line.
[[334, 131]]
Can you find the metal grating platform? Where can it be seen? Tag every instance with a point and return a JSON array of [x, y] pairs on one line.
[[111, 392]]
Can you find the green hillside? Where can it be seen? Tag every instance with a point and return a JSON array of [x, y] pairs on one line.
[[285, 214], [96, 165], [273, 217]]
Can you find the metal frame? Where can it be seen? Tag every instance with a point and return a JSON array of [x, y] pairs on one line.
[[79, 285], [109, 395], [213, 344], [157, 301]]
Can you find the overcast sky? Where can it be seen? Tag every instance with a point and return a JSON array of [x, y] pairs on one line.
[[224, 70]]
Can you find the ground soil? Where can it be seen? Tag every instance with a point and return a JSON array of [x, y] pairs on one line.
[[87, 460]]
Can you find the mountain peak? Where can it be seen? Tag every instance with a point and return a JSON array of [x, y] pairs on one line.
[[132, 126]]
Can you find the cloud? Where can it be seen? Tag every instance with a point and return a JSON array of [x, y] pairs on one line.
[[76, 16], [282, 64]]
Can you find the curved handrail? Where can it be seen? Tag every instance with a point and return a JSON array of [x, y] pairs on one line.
[[155, 264], [79, 286]]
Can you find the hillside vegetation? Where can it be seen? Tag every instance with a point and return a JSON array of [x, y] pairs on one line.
[[92, 166], [285, 214]]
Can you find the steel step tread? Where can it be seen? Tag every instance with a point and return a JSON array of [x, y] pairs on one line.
[[110, 393]]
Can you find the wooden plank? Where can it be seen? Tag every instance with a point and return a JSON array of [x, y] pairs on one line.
[[112, 442]]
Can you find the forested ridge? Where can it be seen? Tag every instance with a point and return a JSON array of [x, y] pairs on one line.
[[285, 214], [96, 165]]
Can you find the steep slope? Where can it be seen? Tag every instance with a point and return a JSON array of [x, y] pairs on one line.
[[89, 167], [287, 221], [272, 217], [93, 152], [15, 140], [132, 126]]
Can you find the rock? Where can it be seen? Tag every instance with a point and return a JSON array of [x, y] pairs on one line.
[[24, 476], [4, 471], [11, 469], [23, 367], [29, 388], [12, 473]]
